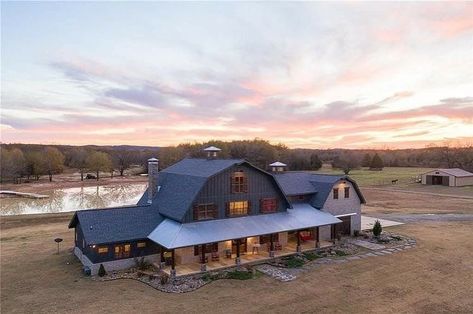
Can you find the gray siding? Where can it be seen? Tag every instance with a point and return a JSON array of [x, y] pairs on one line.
[[217, 190]]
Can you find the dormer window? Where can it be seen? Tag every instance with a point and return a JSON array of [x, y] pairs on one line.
[[239, 182]]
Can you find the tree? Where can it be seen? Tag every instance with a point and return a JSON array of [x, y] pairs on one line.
[[99, 161], [12, 164], [101, 271], [366, 161], [376, 163], [78, 159], [315, 162], [122, 160], [34, 165], [377, 228], [347, 163], [53, 161]]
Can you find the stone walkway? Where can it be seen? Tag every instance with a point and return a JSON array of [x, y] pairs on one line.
[[281, 274], [367, 245], [289, 274]]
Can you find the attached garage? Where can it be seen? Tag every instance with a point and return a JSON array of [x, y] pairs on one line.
[[448, 177]]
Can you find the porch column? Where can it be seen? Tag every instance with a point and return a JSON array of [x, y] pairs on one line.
[[271, 247], [237, 260], [316, 237], [162, 262], [173, 263], [203, 266], [298, 248], [332, 233]]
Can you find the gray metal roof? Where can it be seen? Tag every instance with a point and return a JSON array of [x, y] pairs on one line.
[[116, 224], [320, 185], [172, 234], [201, 167], [277, 164], [457, 172]]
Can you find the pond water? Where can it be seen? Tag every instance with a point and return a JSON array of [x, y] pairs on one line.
[[72, 199]]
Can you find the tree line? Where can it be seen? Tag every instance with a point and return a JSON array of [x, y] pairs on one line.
[[30, 161]]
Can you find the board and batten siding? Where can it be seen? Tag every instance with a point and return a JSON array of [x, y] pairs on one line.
[[217, 190], [344, 206]]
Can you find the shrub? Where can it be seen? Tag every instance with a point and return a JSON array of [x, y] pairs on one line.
[[240, 275], [311, 256], [377, 228], [340, 253], [376, 163], [140, 263], [102, 271], [293, 262], [164, 278], [356, 233]]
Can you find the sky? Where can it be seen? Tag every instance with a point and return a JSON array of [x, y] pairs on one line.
[[310, 75]]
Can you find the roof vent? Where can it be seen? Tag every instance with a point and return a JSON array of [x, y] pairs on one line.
[[212, 152], [278, 166]]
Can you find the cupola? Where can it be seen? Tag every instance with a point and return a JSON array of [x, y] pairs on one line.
[[278, 166], [212, 152]]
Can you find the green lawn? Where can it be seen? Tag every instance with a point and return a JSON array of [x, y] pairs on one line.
[[365, 177]]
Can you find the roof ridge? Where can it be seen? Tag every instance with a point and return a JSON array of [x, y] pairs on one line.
[[110, 208]]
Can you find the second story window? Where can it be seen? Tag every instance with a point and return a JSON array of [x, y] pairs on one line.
[[268, 205], [347, 192], [239, 182], [205, 211], [335, 194], [239, 208]]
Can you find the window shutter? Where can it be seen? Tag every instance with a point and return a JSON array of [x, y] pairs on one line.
[[245, 184], [276, 202], [249, 207], [227, 209], [261, 210], [214, 211]]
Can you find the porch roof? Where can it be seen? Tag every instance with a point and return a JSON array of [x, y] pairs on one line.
[[172, 234]]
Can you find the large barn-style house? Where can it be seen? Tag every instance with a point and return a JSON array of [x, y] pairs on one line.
[[204, 214]]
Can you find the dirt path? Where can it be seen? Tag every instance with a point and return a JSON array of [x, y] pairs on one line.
[[418, 192]]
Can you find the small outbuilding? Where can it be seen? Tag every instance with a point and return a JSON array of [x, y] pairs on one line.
[[448, 177]]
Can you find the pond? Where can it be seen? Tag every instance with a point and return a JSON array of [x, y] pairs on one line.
[[72, 199]]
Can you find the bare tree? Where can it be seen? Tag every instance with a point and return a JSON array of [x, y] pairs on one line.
[[122, 160], [79, 160]]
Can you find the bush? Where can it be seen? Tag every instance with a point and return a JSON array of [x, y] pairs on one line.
[[164, 278], [102, 271], [240, 275], [356, 233], [293, 262], [140, 263], [311, 256], [340, 253], [377, 228]]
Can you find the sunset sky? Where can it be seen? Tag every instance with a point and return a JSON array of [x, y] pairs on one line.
[[313, 75]]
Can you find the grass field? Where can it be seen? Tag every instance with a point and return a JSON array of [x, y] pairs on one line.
[[435, 277], [366, 177]]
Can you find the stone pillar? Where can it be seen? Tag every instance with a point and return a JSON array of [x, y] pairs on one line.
[[153, 166], [173, 263], [316, 237], [271, 246], [203, 265], [237, 259]]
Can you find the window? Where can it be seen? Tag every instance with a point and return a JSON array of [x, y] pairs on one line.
[[122, 250], [347, 192], [239, 182], [102, 249], [141, 244], [335, 194], [267, 238], [269, 205], [209, 248], [205, 211], [238, 208]]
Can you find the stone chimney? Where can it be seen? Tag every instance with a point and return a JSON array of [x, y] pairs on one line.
[[278, 166], [153, 165], [212, 152]]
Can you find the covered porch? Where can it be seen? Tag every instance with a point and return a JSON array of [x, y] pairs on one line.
[[217, 244]]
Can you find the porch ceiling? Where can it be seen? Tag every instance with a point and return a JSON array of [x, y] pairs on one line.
[[172, 234]]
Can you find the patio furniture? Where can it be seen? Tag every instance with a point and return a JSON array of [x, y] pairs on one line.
[[215, 257], [305, 237]]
